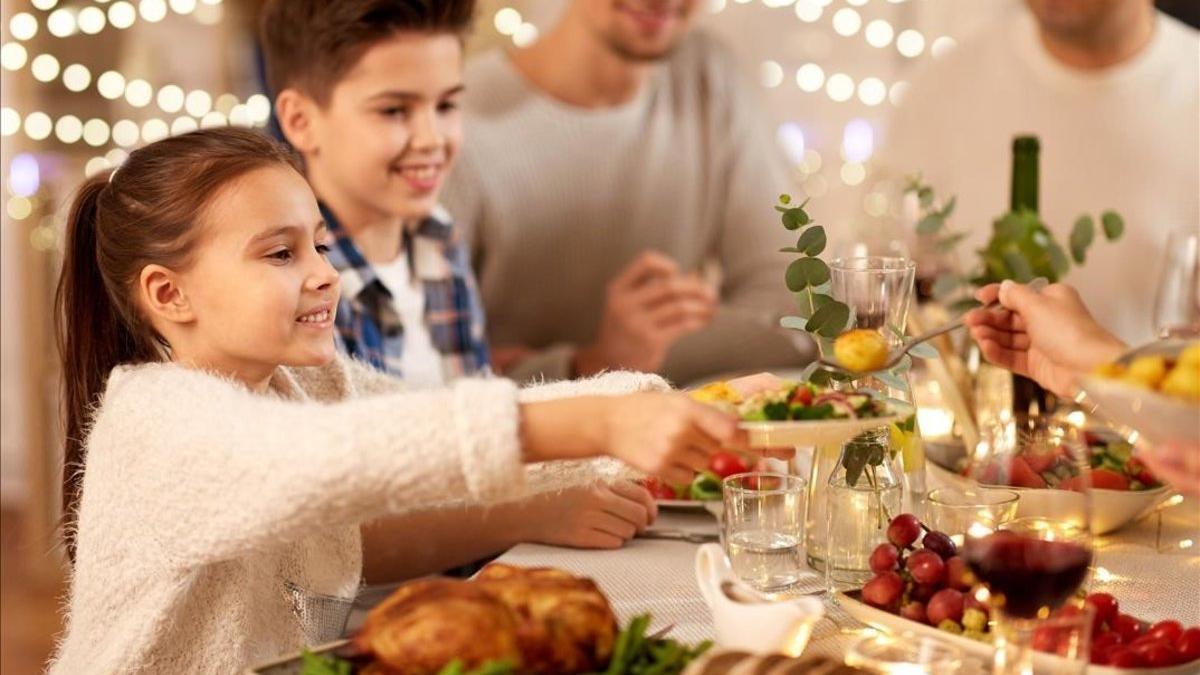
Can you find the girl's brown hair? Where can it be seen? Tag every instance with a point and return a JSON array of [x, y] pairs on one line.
[[145, 213]]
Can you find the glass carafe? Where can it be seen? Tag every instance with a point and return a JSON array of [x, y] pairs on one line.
[[878, 291]]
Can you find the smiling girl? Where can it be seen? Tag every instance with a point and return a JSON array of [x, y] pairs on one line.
[[220, 458]]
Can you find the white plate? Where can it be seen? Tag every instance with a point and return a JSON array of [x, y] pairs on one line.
[[794, 433], [1042, 662], [683, 504]]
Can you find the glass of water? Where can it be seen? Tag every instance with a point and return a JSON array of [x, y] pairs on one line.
[[1177, 302], [764, 529]]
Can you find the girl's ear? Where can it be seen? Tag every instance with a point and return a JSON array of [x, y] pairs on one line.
[[163, 297], [297, 114]]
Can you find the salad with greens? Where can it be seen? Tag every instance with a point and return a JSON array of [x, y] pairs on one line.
[[793, 401]]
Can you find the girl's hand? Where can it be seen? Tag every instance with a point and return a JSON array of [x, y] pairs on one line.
[[1049, 336], [668, 435], [592, 516]]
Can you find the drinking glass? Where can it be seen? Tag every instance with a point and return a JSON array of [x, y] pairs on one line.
[[1177, 302], [904, 654], [954, 511], [1033, 564], [764, 529], [1068, 635]]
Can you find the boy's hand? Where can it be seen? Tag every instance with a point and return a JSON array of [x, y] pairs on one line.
[[648, 307], [593, 516], [667, 435]]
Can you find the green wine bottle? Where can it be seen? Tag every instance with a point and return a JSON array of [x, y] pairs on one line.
[[1028, 397], [1024, 195]]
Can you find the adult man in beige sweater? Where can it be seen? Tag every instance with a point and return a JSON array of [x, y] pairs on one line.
[[607, 169]]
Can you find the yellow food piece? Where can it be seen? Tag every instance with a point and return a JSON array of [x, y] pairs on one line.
[[716, 392], [1183, 381], [861, 350], [1110, 371], [1190, 356], [1149, 370]]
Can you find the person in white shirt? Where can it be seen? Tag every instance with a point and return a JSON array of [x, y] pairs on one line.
[[1111, 89]]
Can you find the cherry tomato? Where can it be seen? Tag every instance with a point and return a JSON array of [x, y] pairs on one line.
[[1124, 657], [1127, 627], [725, 464], [1189, 645], [1168, 630], [1107, 639], [1105, 605], [803, 395], [658, 489]]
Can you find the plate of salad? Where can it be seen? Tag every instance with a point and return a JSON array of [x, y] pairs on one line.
[[800, 413]]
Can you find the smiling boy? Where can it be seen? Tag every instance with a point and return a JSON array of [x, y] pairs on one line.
[[367, 91]]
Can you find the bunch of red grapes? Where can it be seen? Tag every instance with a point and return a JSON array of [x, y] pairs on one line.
[[1125, 642], [928, 584]]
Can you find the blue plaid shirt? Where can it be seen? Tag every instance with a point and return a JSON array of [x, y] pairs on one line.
[[368, 325]]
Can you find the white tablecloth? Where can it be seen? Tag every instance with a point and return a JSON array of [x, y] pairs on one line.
[[657, 576]]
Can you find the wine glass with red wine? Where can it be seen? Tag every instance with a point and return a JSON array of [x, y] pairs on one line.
[[1033, 564]]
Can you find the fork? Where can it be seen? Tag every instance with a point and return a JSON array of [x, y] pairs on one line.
[[898, 353]]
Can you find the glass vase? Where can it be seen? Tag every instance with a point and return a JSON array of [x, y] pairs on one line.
[[878, 291]]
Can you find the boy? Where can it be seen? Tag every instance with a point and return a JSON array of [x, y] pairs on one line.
[[367, 92]]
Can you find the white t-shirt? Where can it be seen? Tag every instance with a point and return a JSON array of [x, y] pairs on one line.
[[420, 362], [1124, 138]]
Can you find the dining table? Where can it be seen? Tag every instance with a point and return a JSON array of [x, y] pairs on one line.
[[1152, 566]]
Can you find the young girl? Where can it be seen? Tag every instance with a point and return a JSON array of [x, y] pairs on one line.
[[220, 459]]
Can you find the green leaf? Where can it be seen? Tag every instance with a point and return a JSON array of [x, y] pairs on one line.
[[785, 199], [925, 195], [795, 218], [1058, 261], [949, 207], [806, 272], [930, 224], [820, 376], [812, 241], [1114, 224], [781, 209], [790, 249], [1021, 268], [819, 300], [950, 241], [793, 322], [924, 351], [830, 320], [854, 460], [892, 379], [1081, 237]]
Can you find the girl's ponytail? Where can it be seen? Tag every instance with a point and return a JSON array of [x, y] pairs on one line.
[[92, 337]]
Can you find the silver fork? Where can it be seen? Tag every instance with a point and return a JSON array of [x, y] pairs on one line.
[[898, 353]]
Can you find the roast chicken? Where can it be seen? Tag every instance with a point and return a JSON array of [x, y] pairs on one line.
[[540, 620]]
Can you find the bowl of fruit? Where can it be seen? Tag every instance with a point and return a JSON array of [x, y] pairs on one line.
[[921, 585], [1154, 389]]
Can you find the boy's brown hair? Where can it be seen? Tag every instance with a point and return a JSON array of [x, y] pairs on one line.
[[310, 44]]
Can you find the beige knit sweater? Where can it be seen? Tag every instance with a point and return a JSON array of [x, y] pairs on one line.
[[208, 511]]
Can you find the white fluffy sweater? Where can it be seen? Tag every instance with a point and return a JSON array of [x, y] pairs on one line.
[[206, 506]]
